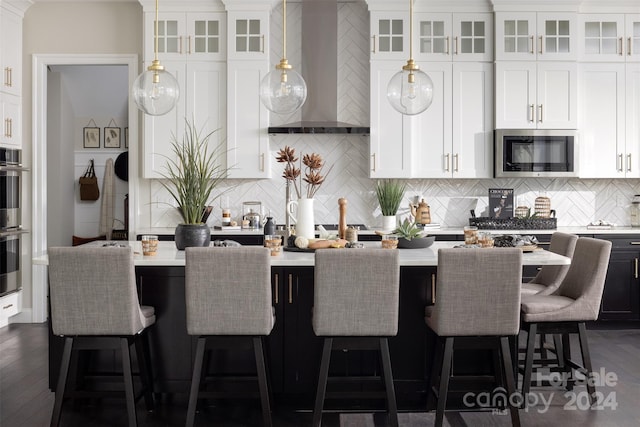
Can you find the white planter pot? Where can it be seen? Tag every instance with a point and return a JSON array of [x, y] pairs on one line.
[[389, 222]]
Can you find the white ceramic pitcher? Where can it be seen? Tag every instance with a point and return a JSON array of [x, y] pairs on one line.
[[301, 213]]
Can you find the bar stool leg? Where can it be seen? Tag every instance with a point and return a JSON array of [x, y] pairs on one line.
[[125, 343], [195, 381], [262, 380], [62, 381], [586, 361], [144, 365], [510, 380], [388, 382], [528, 361], [445, 374], [322, 381]]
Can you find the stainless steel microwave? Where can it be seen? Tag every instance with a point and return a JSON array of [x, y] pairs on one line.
[[536, 153]]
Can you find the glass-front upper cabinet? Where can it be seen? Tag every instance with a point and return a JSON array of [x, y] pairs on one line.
[[389, 35], [609, 37], [535, 36], [180, 35], [457, 37], [247, 38]]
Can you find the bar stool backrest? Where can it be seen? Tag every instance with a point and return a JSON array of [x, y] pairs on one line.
[[228, 291], [477, 292], [356, 292], [552, 275], [93, 291], [585, 280]]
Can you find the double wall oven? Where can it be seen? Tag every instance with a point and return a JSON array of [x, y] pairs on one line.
[[11, 230]]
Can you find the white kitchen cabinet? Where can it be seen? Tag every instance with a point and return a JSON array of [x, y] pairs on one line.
[[247, 117], [536, 36], [609, 131], [11, 110], [196, 35], [453, 36], [247, 35], [389, 35], [451, 139], [610, 37], [536, 95], [248, 121], [9, 306], [11, 51], [202, 99]]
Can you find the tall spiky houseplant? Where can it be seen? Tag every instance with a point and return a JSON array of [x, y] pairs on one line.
[[390, 193], [192, 174]]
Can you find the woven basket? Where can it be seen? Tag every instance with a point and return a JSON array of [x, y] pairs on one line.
[[487, 223]]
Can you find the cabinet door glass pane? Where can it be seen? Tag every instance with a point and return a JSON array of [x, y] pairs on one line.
[[563, 28], [474, 41], [465, 29], [390, 35], [168, 37], [248, 37], [516, 37], [550, 28], [432, 37], [592, 29], [609, 46], [207, 37], [609, 29], [557, 36]]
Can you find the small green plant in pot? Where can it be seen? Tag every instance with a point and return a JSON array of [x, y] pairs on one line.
[[191, 175], [411, 236], [390, 193]]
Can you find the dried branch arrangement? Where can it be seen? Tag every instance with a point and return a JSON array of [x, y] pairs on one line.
[[313, 176]]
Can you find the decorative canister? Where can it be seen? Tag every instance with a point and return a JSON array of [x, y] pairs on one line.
[[543, 207], [522, 212]]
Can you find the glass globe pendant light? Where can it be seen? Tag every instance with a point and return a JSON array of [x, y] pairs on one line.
[[155, 91], [410, 91], [283, 90]]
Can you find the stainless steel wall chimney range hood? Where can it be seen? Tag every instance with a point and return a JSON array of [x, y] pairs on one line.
[[319, 41]]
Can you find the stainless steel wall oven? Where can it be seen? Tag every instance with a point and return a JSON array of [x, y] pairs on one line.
[[11, 230]]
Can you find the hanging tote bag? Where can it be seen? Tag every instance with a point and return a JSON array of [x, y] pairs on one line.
[[89, 184]]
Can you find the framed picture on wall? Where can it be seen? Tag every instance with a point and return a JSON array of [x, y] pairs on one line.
[[91, 137], [111, 137]]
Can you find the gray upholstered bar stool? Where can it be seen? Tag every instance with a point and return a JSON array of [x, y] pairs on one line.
[[549, 277], [546, 282], [94, 305], [228, 293], [478, 295], [356, 297], [566, 310]]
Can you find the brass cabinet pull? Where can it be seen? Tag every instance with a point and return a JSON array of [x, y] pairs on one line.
[[290, 289], [262, 162], [433, 288], [455, 45], [540, 115], [629, 162], [7, 306], [634, 243], [262, 43], [540, 51], [8, 76], [448, 50], [275, 288], [446, 162], [621, 50], [531, 113], [373, 48], [9, 128], [531, 51], [455, 162], [374, 162], [629, 46], [180, 45], [635, 262], [189, 45], [620, 168]]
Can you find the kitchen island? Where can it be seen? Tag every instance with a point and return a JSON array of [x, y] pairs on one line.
[[293, 349]]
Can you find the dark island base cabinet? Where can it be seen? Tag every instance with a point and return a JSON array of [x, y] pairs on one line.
[[621, 297]]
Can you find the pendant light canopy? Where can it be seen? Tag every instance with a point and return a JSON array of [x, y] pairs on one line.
[[283, 90], [410, 91], [156, 91]]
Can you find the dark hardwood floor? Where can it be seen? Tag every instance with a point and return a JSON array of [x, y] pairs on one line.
[[25, 400]]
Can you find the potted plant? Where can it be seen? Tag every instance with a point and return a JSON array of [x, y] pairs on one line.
[[191, 175], [390, 194], [410, 236]]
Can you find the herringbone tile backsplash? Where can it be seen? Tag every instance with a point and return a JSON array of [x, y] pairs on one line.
[[576, 201]]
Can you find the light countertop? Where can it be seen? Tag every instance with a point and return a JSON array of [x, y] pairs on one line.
[[168, 255]]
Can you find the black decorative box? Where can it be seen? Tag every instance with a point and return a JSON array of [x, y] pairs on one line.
[[487, 223]]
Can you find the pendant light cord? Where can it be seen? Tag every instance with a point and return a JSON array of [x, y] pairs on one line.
[[156, 34], [410, 29], [284, 29]]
